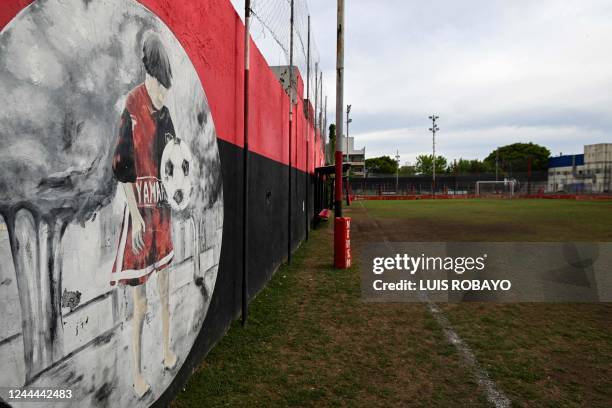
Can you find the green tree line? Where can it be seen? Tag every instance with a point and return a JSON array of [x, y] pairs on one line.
[[507, 159]]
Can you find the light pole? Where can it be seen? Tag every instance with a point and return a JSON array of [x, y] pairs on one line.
[[433, 129], [496, 163], [348, 120], [397, 159], [348, 157], [339, 112]]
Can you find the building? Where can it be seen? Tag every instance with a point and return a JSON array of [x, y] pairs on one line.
[[356, 157], [590, 172]]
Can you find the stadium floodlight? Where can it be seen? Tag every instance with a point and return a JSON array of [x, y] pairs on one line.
[[348, 120], [397, 159], [433, 129]]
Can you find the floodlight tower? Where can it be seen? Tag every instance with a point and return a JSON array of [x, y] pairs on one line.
[[348, 157], [397, 159], [433, 129], [348, 120]]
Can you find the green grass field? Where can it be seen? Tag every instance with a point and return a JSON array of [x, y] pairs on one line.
[[539, 354], [496, 220], [311, 341]]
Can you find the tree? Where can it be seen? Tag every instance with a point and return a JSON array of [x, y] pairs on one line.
[[332, 138], [381, 165], [407, 170], [424, 164], [464, 166], [515, 157]]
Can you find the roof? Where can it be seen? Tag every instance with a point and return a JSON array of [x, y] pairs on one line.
[[567, 160], [332, 168]]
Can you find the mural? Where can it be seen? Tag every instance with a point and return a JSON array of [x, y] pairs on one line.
[[111, 205]]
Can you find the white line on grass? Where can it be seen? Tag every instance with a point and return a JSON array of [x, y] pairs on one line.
[[494, 395]]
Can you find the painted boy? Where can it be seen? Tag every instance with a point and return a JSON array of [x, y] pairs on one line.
[[145, 246]]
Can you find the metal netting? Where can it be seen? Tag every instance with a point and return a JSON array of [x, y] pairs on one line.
[[387, 184], [272, 20]]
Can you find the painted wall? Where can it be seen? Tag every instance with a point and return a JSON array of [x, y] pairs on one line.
[[70, 71]]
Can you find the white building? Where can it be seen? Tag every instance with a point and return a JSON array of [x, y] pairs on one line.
[[356, 157], [590, 172]]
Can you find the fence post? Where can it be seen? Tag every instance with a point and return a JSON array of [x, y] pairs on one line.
[[308, 131], [245, 169], [289, 204]]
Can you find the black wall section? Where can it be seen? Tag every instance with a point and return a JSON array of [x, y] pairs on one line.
[[268, 220], [268, 200], [299, 207]]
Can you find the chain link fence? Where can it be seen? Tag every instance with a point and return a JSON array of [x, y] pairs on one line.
[[271, 30], [385, 184]]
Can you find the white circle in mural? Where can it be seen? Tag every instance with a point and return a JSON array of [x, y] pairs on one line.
[[176, 174], [98, 97]]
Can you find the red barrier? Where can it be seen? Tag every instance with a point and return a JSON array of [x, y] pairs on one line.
[[471, 196], [342, 242], [414, 197], [569, 196]]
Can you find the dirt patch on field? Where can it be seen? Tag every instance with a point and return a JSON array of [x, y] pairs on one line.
[[432, 230], [370, 229]]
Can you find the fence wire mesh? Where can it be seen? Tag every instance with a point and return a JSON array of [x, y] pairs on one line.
[[271, 19], [383, 184]]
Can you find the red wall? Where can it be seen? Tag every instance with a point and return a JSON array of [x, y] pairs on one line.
[[9, 9], [213, 36]]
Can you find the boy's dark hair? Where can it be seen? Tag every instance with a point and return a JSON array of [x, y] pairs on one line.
[[156, 61]]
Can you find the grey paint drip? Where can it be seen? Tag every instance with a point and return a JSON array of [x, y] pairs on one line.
[[25, 300], [51, 349]]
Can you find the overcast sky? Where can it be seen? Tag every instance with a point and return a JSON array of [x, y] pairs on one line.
[[496, 72]]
